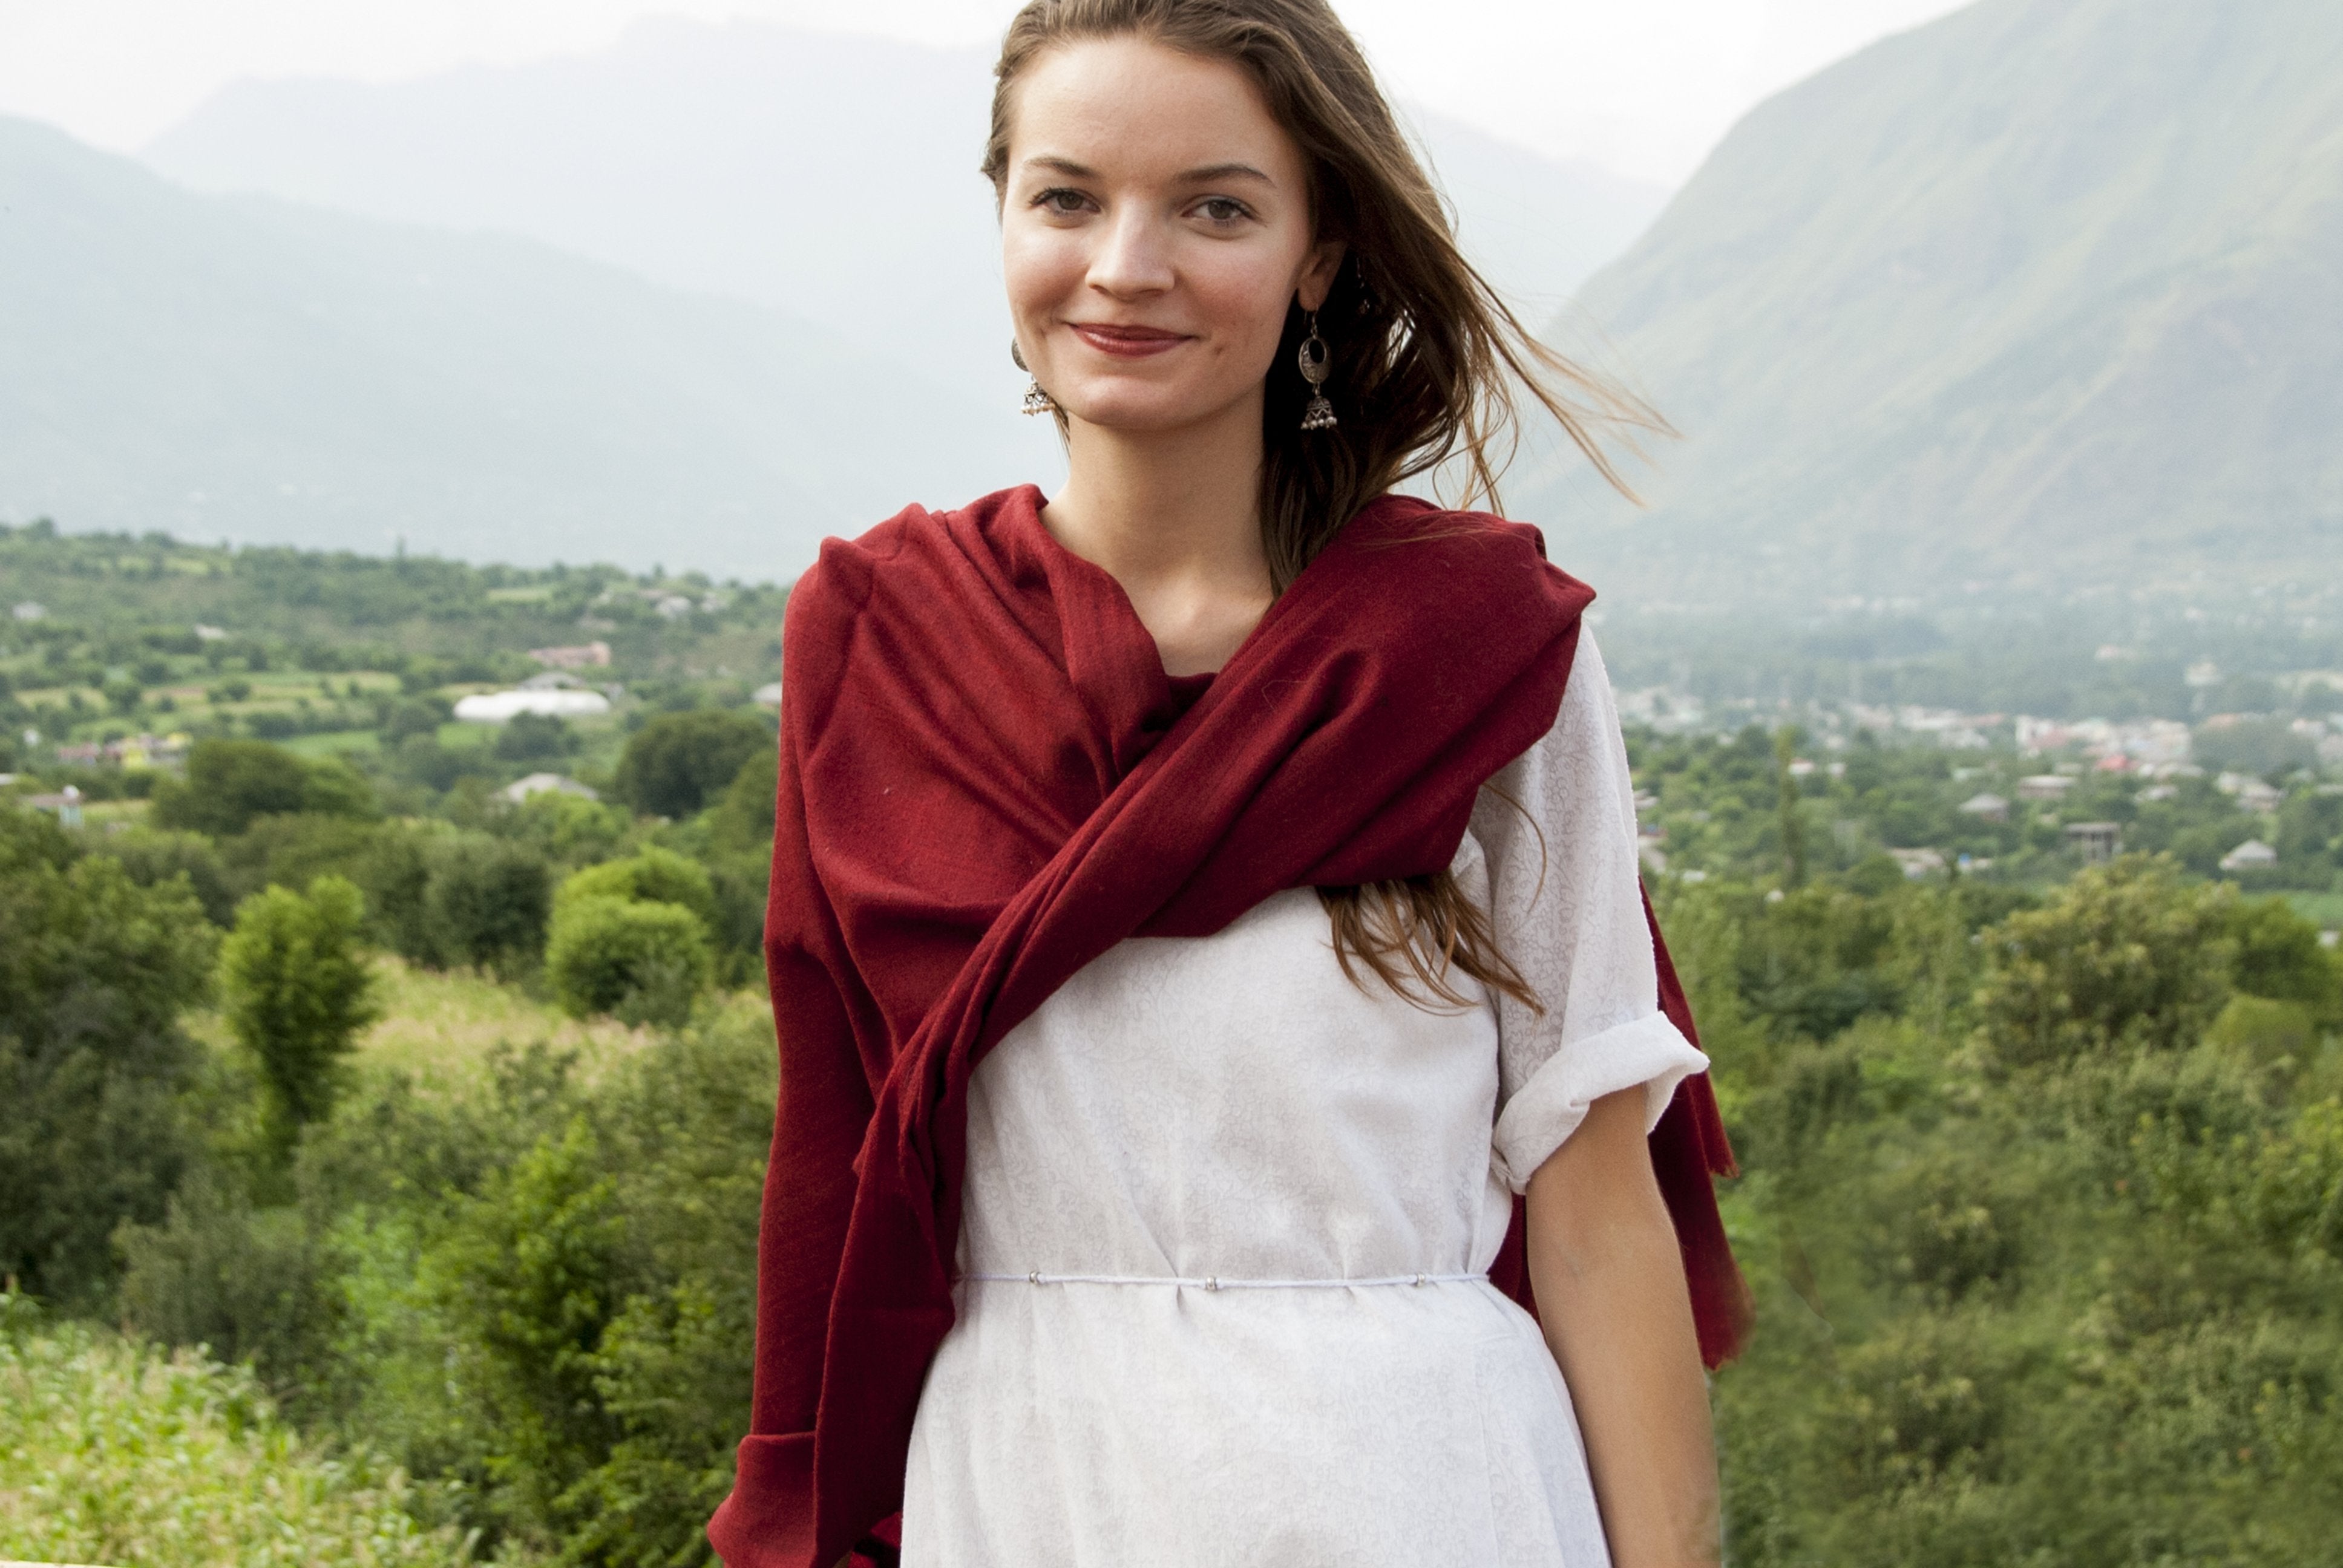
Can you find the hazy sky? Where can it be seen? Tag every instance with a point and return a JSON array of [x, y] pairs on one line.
[[1644, 87]]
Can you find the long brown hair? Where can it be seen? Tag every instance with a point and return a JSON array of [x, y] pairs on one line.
[[1428, 361]]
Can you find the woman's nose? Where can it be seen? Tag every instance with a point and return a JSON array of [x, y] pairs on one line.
[[1132, 258]]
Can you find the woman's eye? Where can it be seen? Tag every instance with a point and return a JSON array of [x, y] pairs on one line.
[[1062, 200], [1221, 209]]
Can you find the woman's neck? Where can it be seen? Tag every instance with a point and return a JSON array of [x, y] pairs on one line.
[[1175, 517]]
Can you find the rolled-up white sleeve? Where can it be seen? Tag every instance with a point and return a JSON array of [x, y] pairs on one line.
[[1558, 827]]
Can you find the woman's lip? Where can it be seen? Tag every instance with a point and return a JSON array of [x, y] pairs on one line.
[[1126, 342]]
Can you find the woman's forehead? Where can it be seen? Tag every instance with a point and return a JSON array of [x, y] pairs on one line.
[[1124, 108]]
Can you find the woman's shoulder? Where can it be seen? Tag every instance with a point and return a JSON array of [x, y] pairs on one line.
[[1516, 549], [911, 569], [848, 571]]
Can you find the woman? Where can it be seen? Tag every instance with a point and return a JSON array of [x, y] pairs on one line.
[[1203, 899]]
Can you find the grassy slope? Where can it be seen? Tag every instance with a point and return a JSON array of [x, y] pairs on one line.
[[442, 1027], [435, 1025], [115, 1453]]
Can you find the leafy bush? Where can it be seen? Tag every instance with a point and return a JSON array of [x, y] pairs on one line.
[[152, 856], [252, 1284], [535, 738], [680, 762], [297, 990], [485, 903], [653, 875], [94, 971], [568, 830], [421, 760], [111, 1451], [640, 961], [439, 897], [539, 1295], [2278, 956], [2066, 1295]]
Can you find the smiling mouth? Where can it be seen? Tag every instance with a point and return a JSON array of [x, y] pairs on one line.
[[1126, 342]]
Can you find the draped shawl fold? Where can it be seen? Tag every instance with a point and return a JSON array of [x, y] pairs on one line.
[[987, 781]]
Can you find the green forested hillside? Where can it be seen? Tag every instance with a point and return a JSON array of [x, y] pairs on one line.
[[244, 367], [447, 1112], [2042, 293]]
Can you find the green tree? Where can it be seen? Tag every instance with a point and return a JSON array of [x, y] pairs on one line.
[[550, 1287], [231, 783], [1785, 791], [643, 962], [396, 878], [294, 848], [679, 762], [94, 971], [2124, 955], [297, 990], [527, 1276], [741, 820]]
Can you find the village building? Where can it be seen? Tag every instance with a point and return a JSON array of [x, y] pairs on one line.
[[2253, 855], [65, 806], [2252, 794], [578, 658], [521, 790], [2099, 842], [2043, 786], [130, 751], [1986, 807], [503, 707]]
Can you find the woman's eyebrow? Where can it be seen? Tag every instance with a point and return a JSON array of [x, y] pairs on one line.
[[1206, 175], [1225, 172]]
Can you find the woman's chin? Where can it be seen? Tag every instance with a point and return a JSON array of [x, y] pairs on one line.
[[1147, 412]]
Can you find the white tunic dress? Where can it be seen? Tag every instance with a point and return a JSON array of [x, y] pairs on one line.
[[1228, 1218]]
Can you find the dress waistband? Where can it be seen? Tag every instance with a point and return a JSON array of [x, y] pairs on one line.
[[1215, 1282]]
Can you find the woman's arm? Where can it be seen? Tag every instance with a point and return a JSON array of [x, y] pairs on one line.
[[1611, 1293]]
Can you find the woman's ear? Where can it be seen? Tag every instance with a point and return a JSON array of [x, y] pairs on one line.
[[1317, 271]]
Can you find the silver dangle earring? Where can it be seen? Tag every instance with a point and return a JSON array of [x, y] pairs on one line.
[[1317, 363], [1036, 401]]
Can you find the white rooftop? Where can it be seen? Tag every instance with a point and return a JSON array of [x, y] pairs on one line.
[[501, 706]]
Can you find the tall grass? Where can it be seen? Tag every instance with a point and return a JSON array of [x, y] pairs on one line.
[[116, 1452]]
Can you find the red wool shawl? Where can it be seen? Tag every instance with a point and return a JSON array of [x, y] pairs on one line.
[[986, 782]]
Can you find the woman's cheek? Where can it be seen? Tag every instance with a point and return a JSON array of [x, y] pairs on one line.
[[1040, 270], [1249, 296]]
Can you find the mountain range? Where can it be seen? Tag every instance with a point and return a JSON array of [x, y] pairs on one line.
[[2040, 296], [698, 299], [832, 177], [244, 367], [2048, 294]]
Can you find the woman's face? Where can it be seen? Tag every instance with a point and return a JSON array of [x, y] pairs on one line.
[[1155, 228]]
